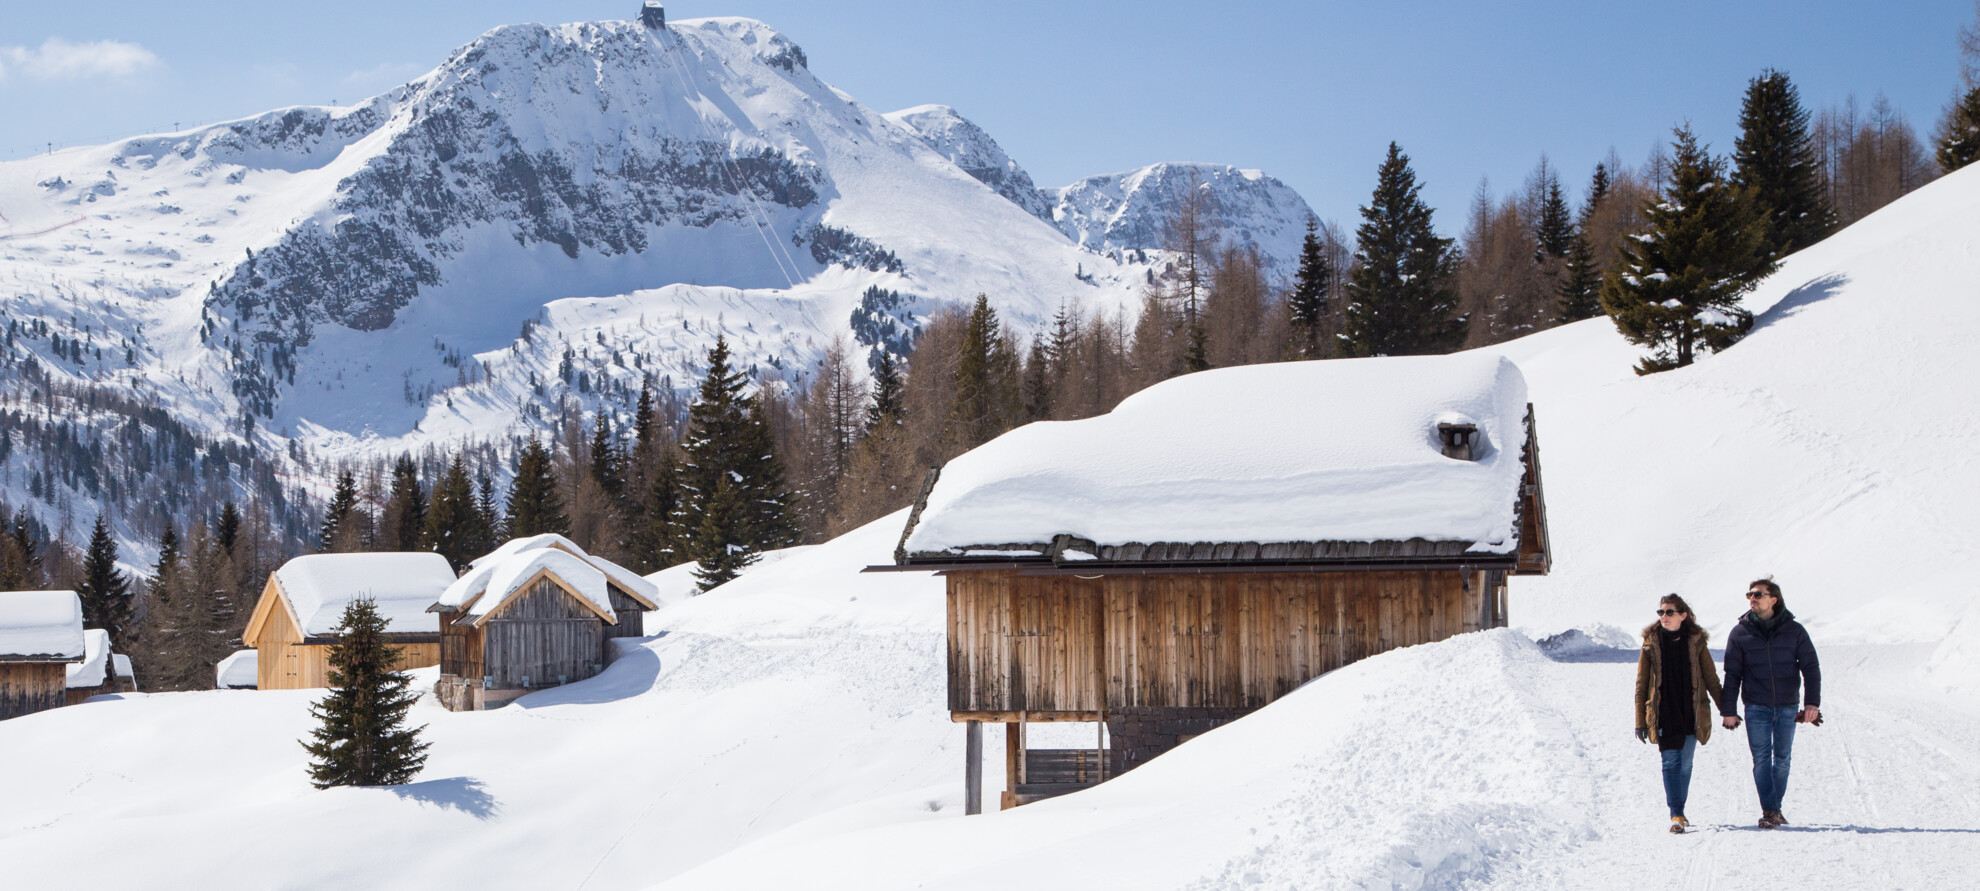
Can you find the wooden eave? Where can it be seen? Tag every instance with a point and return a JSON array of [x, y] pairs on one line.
[[40, 657], [1536, 553], [271, 594], [541, 574]]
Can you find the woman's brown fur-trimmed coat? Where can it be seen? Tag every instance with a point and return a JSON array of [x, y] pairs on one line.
[[1650, 682]]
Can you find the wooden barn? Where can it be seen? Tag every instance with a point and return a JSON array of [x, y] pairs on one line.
[[292, 624], [1218, 540], [537, 612], [41, 636]]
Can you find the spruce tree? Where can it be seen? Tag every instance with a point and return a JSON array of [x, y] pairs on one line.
[[733, 501], [488, 515], [535, 507], [662, 539], [343, 504], [362, 739], [1307, 304], [453, 524], [105, 589], [1402, 290], [227, 529], [605, 462], [405, 507], [974, 416], [1598, 188], [1959, 133], [1774, 160], [168, 553], [1553, 225], [1677, 288], [1581, 282], [1037, 395], [887, 392]]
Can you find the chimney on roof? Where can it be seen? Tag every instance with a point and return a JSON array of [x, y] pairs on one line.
[[1459, 440], [653, 15]]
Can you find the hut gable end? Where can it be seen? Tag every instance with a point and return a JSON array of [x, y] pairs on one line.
[[543, 596]]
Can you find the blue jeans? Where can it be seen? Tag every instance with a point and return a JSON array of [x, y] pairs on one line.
[[1677, 774], [1770, 734]]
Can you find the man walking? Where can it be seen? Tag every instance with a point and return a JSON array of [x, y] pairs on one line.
[[1768, 655]]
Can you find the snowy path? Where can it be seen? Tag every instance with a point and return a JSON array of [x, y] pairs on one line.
[[1885, 794]]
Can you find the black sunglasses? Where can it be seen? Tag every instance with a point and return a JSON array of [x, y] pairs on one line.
[[1667, 612], [1751, 595]]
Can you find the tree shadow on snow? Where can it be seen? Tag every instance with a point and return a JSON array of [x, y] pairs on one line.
[[1813, 292], [631, 674], [465, 794]]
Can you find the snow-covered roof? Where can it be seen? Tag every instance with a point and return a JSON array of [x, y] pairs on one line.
[[94, 669], [627, 580], [41, 624], [239, 669], [509, 574], [122, 664], [1332, 451], [318, 588]]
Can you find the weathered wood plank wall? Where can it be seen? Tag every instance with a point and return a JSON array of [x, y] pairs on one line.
[[542, 635], [28, 687], [631, 616], [1237, 640]]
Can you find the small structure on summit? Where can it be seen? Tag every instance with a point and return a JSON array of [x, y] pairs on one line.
[[97, 673], [653, 15], [536, 612], [1218, 540], [41, 636], [305, 599]]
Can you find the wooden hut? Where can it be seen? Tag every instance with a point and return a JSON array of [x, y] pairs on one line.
[[1218, 540], [41, 635], [96, 674], [238, 671], [305, 599], [535, 613]]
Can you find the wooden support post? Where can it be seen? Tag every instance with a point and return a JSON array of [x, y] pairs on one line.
[[973, 768], [1013, 755]]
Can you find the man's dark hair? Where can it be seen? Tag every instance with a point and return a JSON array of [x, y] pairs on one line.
[[1771, 587], [1690, 624]]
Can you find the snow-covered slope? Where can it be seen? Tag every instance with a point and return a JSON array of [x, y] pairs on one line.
[[1126, 215], [551, 217], [967, 146]]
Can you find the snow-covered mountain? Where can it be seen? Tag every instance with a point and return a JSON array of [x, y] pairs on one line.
[[788, 729], [551, 216], [1125, 215]]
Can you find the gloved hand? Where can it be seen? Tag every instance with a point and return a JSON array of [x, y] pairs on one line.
[[1643, 734]]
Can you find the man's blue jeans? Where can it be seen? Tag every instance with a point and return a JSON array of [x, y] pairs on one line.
[[1677, 774], [1770, 734]]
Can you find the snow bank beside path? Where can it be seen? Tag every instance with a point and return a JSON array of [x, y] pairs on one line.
[[1429, 766]]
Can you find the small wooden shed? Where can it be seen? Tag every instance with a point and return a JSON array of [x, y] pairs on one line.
[[1217, 541], [41, 636], [305, 599], [537, 612], [96, 674], [238, 671]]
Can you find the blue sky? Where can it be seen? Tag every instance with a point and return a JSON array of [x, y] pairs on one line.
[[1309, 92]]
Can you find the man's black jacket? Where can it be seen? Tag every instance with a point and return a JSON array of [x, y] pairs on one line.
[[1766, 662]]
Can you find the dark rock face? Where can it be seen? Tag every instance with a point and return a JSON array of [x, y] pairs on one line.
[[466, 158]]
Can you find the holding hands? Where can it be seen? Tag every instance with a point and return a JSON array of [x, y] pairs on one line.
[[1731, 722]]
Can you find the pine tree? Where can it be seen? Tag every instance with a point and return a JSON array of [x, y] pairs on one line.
[[1774, 159], [405, 507], [1678, 287], [105, 589], [887, 390], [227, 529], [1581, 282], [453, 524], [1959, 133], [1037, 395], [1402, 292], [488, 516], [1598, 188], [343, 505], [168, 555], [1307, 305], [362, 739], [534, 506], [1553, 224], [662, 540], [733, 501], [605, 461], [986, 393]]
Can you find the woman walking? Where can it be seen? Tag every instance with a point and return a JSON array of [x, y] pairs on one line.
[[1674, 674]]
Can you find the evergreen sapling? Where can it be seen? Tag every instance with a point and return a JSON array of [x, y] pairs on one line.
[[362, 739]]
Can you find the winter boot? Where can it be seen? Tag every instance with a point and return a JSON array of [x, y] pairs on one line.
[[1777, 818], [1677, 825], [1767, 821]]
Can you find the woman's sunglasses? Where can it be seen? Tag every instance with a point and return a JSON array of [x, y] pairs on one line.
[[1667, 612]]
